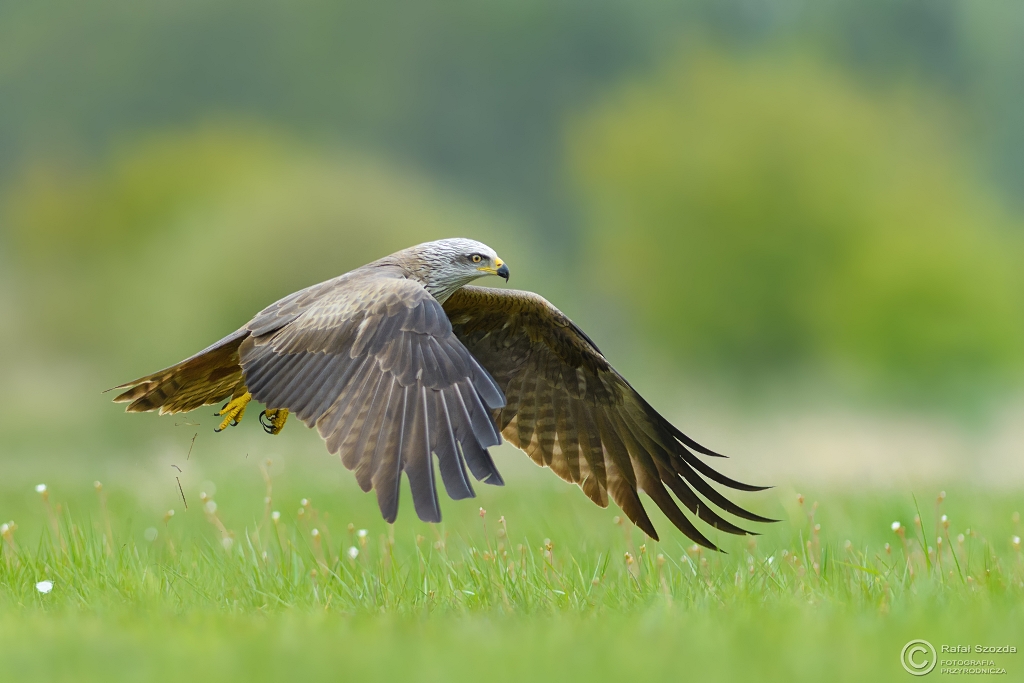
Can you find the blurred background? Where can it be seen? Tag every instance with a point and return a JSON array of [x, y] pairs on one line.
[[796, 226]]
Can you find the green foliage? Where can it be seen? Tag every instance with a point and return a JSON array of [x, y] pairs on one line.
[[474, 92], [182, 236], [467, 91], [770, 214]]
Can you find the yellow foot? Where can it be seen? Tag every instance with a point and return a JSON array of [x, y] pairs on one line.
[[233, 411], [273, 420]]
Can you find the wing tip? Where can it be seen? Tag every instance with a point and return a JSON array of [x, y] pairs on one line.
[[429, 516], [702, 541], [647, 528]]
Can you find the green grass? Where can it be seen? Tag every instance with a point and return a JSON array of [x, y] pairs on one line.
[[543, 584]]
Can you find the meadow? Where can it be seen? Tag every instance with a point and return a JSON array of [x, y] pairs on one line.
[[794, 226], [283, 569]]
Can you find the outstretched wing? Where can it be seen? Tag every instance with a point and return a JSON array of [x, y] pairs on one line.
[[370, 360], [569, 410]]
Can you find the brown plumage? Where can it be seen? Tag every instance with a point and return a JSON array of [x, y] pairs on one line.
[[398, 360]]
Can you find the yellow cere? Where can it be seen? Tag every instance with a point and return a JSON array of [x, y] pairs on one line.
[[493, 270]]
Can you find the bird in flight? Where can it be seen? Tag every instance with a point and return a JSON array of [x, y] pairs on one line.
[[401, 360]]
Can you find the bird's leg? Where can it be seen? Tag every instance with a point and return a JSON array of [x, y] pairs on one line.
[[233, 411], [273, 420]]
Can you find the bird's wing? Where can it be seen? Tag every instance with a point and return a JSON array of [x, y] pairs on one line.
[[569, 410], [372, 362]]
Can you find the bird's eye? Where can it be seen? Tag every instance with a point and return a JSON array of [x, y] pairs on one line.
[[476, 258]]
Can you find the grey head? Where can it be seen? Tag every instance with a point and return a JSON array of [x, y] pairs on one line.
[[446, 265]]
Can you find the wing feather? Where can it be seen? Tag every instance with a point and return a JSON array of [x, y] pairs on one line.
[[386, 477], [355, 443], [476, 415], [569, 410], [362, 458], [343, 416], [449, 461], [417, 462], [373, 363]]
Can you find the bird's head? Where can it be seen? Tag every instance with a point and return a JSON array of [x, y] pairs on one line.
[[445, 265]]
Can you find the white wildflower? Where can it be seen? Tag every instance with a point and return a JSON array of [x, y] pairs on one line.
[[275, 515], [41, 488], [896, 526], [353, 552], [44, 587], [361, 533]]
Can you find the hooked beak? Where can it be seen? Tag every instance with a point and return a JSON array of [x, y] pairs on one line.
[[499, 268]]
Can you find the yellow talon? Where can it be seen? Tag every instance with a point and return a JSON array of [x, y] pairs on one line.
[[273, 420], [233, 411]]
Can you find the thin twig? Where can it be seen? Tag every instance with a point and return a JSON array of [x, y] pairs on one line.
[[182, 493]]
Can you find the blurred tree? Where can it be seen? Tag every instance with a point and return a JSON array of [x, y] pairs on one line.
[[474, 92], [767, 215], [182, 236], [468, 91]]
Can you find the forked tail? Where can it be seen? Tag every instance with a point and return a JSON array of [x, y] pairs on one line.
[[208, 377]]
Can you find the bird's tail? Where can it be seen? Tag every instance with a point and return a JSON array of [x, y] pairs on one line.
[[210, 376]]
